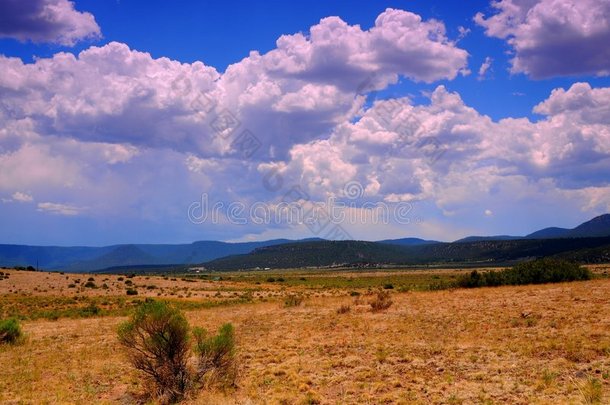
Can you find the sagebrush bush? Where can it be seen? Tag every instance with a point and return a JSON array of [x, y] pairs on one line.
[[10, 331], [157, 342], [216, 354], [381, 301]]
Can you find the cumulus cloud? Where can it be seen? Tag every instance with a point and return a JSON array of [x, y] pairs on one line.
[[398, 151], [294, 93], [400, 42], [54, 21], [129, 136], [543, 32]]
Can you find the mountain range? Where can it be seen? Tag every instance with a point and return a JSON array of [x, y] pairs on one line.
[[313, 252], [596, 227]]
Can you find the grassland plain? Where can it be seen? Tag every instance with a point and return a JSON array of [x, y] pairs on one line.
[[543, 344]]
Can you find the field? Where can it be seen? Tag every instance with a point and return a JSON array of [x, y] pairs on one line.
[[543, 344]]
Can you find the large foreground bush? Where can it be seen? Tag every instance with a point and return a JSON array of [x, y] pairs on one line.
[[157, 339], [534, 272]]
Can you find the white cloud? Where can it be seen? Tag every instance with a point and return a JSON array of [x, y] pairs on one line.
[[22, 197], [553, 37], [131, 137], [59, 209], [485, 67], [54, 21], [449, 153], [463, 31], [295, 93]]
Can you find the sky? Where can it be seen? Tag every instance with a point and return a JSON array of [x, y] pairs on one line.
[[126, 121]]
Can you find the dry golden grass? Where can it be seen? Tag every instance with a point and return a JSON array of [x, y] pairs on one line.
[[546, 344], [59, 284]]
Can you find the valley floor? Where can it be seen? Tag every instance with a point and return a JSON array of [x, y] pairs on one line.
[[547, 344]]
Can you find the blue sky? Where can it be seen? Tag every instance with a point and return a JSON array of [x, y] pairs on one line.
[[101, 149]]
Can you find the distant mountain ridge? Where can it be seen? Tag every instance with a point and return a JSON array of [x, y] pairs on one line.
[[408, 241], [484, 238], [85, 259], [364, 254], [74, 259], [596, 227], [548, 233]]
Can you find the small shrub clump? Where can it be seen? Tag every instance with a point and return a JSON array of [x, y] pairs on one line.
[[293, 301], [344, 309], [10, 331], [381, 301], [216, 355]]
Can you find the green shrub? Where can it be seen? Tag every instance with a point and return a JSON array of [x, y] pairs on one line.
[[216, 354], [440, 285], [157, 342], [533, 272], [10, 331], [131, 291], [91, 310], [156, 338], [388, 286], [545, 271], [90, 284]]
